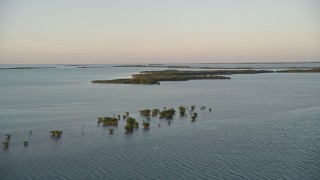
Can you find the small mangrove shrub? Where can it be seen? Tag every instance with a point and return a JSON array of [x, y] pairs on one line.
[[108, 121], [55, 133], [130, 124], [182, 110], [145, 112], [195, 114], [167, 113], [146, 125]]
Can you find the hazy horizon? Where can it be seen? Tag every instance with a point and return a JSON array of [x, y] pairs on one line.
[[144, 31]]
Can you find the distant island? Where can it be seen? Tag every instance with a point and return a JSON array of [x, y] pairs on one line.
[[200, 67], [299, 70], [152, 65], [155, 77], [26, 68]]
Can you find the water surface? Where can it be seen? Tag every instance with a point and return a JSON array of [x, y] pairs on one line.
[[263, 126]]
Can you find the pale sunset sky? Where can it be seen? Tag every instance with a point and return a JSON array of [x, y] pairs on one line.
[[158, 31]]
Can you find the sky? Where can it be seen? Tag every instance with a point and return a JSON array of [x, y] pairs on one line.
[[158, 31]]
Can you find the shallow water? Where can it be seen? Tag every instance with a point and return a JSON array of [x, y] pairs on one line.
[[263, 126]]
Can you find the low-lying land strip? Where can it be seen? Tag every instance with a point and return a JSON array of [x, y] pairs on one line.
[[155, 77]]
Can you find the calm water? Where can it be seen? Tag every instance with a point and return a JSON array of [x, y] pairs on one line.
[[263, 126]]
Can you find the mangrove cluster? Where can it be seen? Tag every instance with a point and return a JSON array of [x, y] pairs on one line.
[[167, 113], [131, 123], [108, 121]]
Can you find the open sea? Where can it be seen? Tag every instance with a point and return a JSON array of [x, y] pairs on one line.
[[262, 126]]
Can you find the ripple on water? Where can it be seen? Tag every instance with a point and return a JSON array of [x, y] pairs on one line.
[[230, 143]]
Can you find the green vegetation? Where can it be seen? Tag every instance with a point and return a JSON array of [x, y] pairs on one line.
[[182, 110], [145, 112], [56, 133], [155, 112], [108, 121], [155, 77], [167, 113], [130, 124]]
